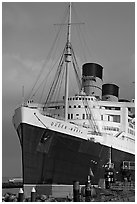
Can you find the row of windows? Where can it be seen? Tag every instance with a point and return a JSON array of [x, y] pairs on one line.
[[79, 98], [101, 107], [131, 132], [79, 106], [110, 108], [112, 118], [110, 128], [116, 118], [84, 116]]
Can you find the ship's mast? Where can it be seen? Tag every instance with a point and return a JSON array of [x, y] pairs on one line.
[[67, 60]]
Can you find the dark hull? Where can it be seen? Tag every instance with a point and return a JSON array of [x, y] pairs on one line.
[[55, 158]]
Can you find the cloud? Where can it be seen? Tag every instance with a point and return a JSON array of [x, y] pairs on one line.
[[14, 15], [18, 71]]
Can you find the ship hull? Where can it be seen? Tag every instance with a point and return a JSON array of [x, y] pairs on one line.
[[50, 157]]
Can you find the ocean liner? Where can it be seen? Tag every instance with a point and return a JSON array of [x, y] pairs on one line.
[[90, 131]]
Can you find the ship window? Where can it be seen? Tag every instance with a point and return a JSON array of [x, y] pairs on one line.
[[85, 106], [83, 116], [74, 106], [79, 106], [73, 98], [69, 106], [101, 117], [117, 108], [88, 98], [71, 116], [76, 98], [116, 118], [77, 114], [108, 117], [70, 98], [68, 116], [79, 98]]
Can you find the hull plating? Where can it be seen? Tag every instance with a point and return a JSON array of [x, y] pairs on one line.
[[50, 157]]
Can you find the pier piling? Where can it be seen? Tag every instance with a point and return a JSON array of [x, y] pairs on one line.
[[20, 195], [76, 194], [33, 195], [88, 190]]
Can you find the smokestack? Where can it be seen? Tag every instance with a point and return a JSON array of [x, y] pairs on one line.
[[92, 79], [110, 92]]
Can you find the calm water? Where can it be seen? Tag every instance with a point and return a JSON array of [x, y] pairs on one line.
[[5, 179], [9, 190]]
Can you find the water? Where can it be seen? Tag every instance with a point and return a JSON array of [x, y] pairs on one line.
[[9, 190], [5, 179]]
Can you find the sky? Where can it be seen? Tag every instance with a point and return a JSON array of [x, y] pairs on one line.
[[28, 31]]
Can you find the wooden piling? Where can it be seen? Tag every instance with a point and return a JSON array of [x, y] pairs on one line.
[[33, 195], [76, 194], [20, 195], [88, 192]]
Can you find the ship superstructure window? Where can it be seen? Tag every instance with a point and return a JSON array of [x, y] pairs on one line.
[[83, 116], [117, 108], [110, 128], [68, 116], [71, 116], [79, 106], [69, 106], [131, 132], [74, 106], [111, 108], [116, 118], [101, 117]]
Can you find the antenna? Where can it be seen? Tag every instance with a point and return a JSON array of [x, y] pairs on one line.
[[67, 60], [23, 95]]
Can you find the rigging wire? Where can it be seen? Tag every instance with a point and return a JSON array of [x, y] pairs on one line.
[[47, 76], [76, 67], [60, 86], [52, 89], [49, 54]]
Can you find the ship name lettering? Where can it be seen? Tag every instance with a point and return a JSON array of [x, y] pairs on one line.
[[58, 124]]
